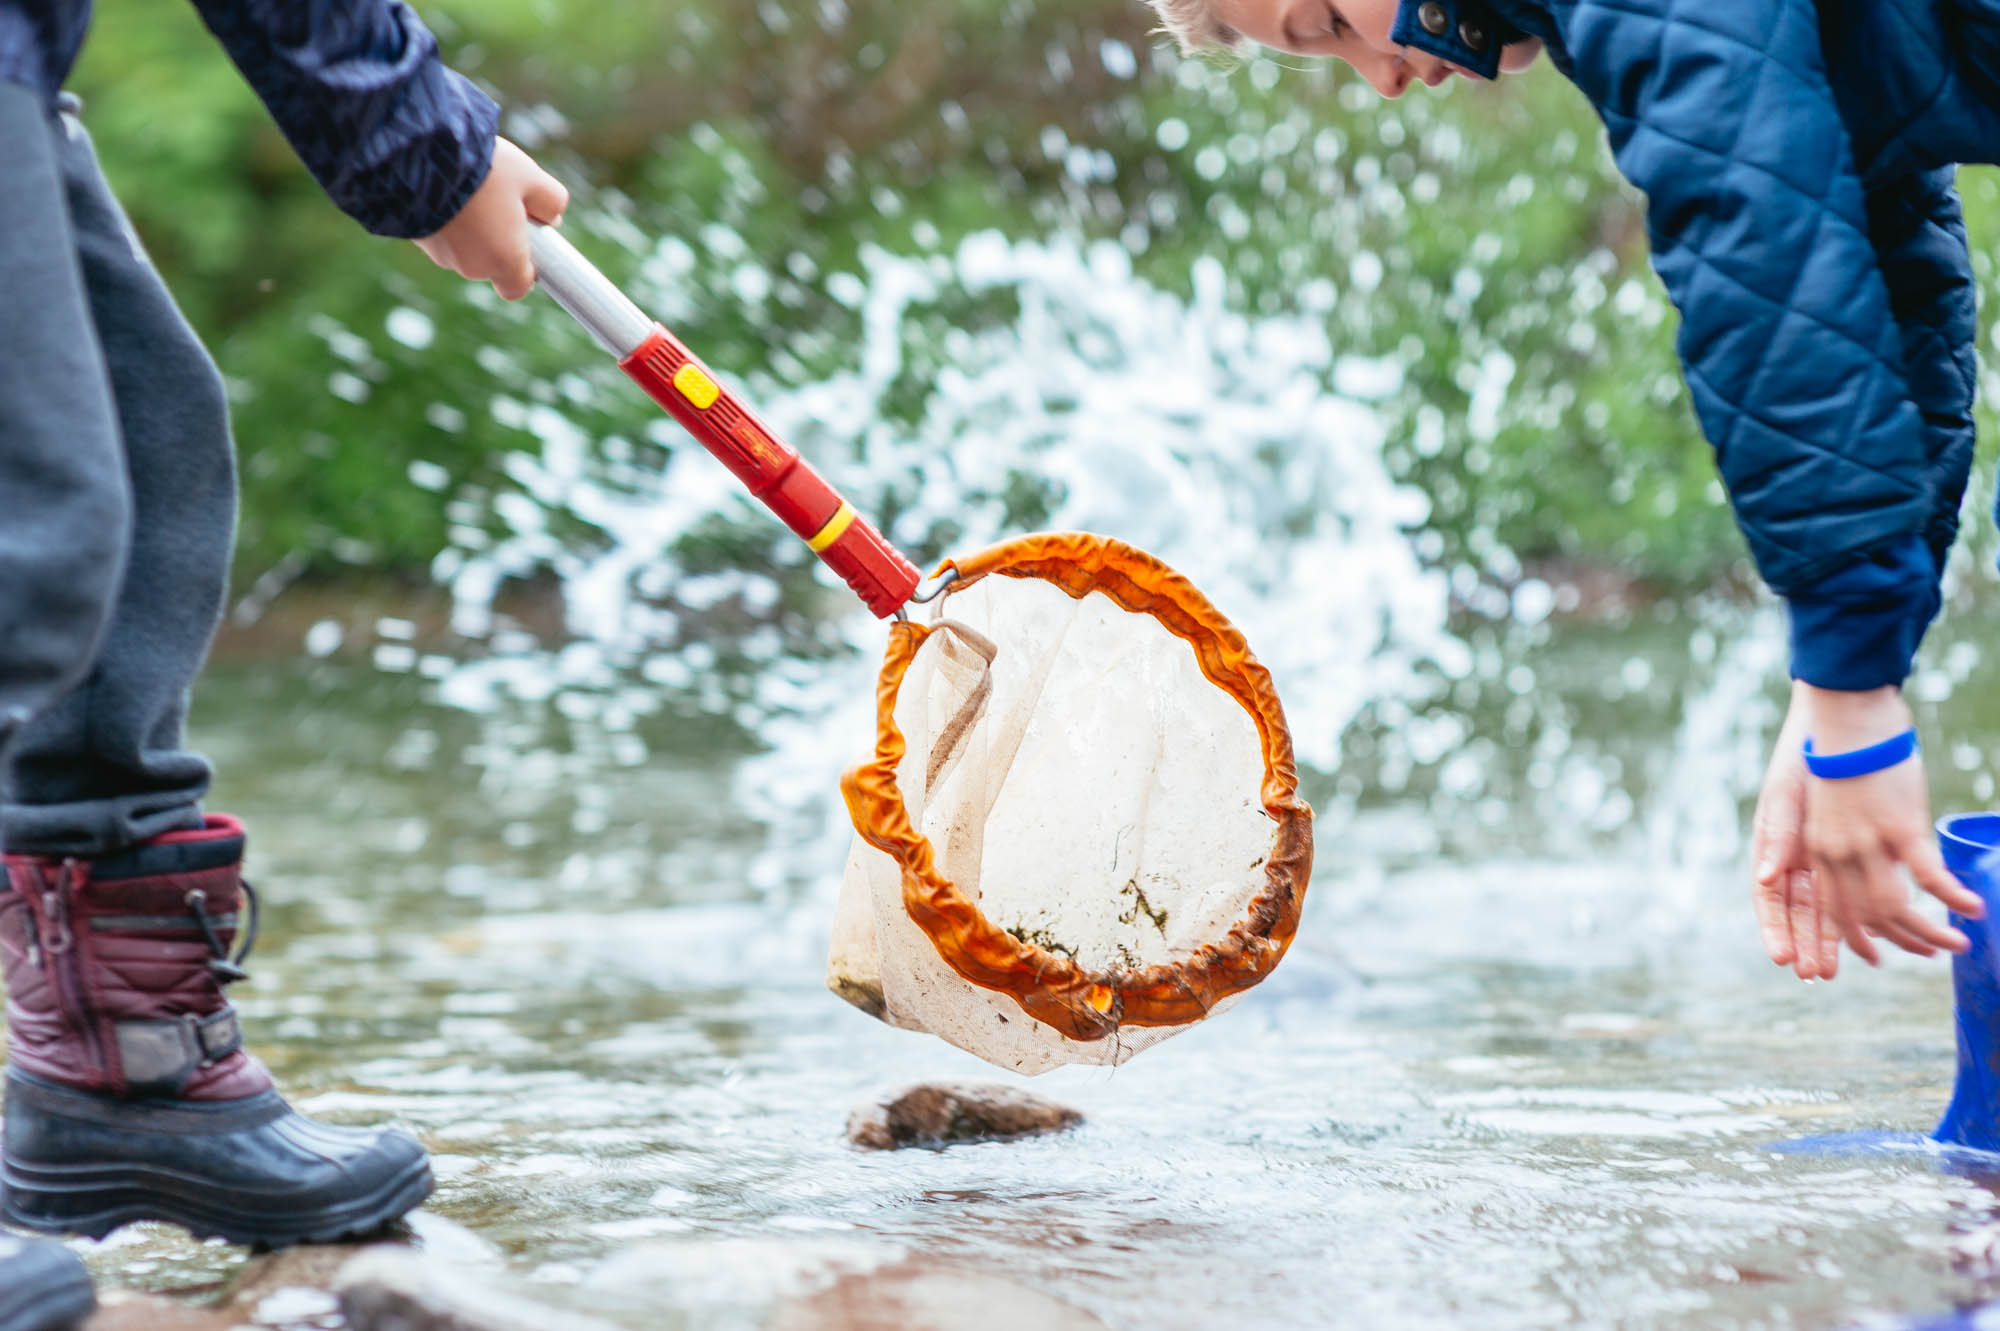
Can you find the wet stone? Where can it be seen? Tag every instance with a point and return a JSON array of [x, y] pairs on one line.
[[289, 1286], [130, 1310], [814, 1284], [923, 1296], [391, 1289], [447, 1240], [704, 1284], [293, 1290], [940, 1113], [281, 1291]]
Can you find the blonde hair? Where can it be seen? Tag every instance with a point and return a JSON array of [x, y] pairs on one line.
[[1194, 27]]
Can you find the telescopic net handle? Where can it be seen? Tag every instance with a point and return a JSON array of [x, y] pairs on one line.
[[771, 469]]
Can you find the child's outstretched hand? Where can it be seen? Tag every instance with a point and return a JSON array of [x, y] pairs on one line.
[[488, 240], [1830, 854]]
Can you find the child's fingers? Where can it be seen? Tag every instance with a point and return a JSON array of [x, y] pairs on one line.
[[506, 263], [1804, 923], [1927, 868], [1843, 888], [1905, 934], [1875, 902], [545, 199], [1774, 840], [1829, 941], [1809, 923], [1773, 925], [514, 277], [1910, 921], [1774, 835], [1777, 828]]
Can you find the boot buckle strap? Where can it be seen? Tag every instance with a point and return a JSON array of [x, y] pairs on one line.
[[220, 1035], [158, 1056]]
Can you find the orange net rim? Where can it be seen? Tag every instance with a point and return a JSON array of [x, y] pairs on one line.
[[1082, 1003]]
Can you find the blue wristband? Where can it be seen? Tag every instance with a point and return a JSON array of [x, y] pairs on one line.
[[1860, 762]]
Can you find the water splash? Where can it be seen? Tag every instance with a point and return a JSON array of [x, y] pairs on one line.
[[1212, 438]]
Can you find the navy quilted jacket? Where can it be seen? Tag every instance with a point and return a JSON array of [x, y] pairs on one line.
[[1797, 161], [399, 141]]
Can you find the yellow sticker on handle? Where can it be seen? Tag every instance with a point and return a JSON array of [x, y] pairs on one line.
[[696, 386]]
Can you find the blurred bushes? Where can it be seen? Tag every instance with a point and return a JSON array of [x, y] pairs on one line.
[[1478, 264]]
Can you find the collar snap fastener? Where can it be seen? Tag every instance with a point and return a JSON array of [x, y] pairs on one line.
[[1472, 35], [1433, 18]]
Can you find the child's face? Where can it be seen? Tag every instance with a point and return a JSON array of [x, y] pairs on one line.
[[1356, 31]]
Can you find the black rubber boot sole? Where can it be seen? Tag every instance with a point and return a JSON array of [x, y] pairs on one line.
[[249, 1171], [43, 1287]]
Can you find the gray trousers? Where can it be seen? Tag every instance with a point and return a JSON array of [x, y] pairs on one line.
[[117, 508]]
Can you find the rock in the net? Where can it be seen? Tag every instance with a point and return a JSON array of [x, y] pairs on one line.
[[938, 1113]]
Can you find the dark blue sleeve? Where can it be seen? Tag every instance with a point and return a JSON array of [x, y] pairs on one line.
[[396, 139], [1919, 234], [1919, 237], [1723, 115]]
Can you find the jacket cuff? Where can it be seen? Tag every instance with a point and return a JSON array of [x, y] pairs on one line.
[[428, 179], [1859, 629]]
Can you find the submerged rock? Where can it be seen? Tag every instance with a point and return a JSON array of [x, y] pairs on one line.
[[705, 1284], [937, 1113], [291, 1290], [927, 1296], [288, 1287], [798, 1283], [130, 1310], [394, 1289]]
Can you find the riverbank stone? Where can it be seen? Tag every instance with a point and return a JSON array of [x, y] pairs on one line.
[[921, 1295], [292, 1290], [289, 1286], [939, 1113], [393, 1289], [813, 1283], [130, 1310]]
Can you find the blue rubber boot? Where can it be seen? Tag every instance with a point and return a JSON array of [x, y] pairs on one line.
[[1971, 845], [43, 1287]]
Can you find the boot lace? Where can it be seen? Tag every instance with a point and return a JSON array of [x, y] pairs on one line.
[[225, 968]]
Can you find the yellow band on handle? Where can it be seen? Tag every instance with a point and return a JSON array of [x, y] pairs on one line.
[[842, 519]]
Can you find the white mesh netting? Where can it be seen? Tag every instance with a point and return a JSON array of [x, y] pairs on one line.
[[1085, 785]]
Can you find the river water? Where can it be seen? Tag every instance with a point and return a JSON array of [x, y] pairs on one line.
[[563, 910]]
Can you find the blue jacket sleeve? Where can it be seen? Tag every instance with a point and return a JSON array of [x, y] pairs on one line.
[[1919, 237], [395, 138], [1723, 115], [1919, 234]]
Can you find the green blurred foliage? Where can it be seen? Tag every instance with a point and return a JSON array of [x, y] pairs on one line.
[[1479, 242]]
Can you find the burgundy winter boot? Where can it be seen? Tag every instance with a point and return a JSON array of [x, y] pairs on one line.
[[129, 1094]]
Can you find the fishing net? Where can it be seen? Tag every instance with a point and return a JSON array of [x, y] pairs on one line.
[[1080, 831]]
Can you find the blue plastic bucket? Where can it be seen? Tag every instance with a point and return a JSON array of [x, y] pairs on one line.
[[1971, 846]]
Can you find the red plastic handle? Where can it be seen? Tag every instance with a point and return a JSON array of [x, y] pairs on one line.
[[774, 472]]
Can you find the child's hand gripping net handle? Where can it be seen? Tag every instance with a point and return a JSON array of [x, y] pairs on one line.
[[770, 467]]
